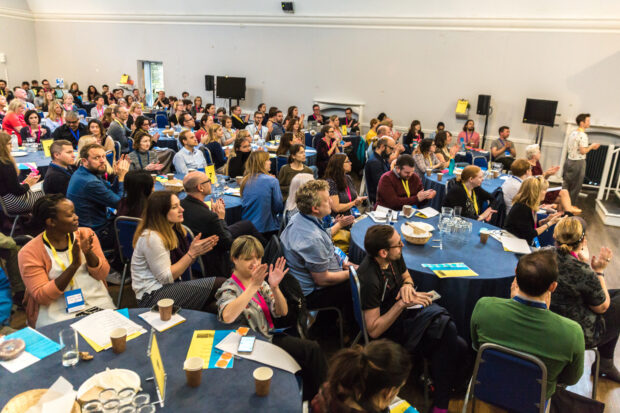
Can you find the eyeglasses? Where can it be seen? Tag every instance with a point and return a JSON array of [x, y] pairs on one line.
[[392, 147], [400, 245], [72, 121]]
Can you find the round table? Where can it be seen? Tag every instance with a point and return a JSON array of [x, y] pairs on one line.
[[221, 390], [431, 182], [494, 266], [233, 203], [38, 158]]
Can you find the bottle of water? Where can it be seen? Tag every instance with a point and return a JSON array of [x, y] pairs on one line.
[[463, 144], [451, 166], [14, 142]]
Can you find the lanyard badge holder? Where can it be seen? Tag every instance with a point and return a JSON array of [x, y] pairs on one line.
[[74, 299], [342, 257]]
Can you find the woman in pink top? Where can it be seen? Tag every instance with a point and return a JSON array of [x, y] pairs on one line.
[[469, 135]]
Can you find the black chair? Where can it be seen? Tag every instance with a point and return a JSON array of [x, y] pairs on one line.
[[198, 266], [124, 230], [15, 217], [499, 218], [357, 306]]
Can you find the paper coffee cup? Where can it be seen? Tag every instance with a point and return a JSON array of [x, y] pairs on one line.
[[407, 210], [165, 308], [170, 177], [193, 371], [191, 170], [429, 171], [239, 179], [439, 176], [262, 380], [484, 236], [119, 340], [495, 174]]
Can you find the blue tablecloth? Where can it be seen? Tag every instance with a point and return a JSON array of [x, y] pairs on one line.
[[233, 203], [221, 390], [37, 158], [494, 266], [431, 182]]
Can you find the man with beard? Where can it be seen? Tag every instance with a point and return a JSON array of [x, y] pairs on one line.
[[378, 164], [469, 136]]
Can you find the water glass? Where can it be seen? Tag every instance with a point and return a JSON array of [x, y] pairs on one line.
[[126, 395], [148, 408], [70, 353], [141, 399], [111, 406], [127, 409], [457, 211], [107, 394], [446, 211], [93, 406]]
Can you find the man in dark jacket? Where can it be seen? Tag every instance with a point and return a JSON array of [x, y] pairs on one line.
[[72, 130], [60, 169], [377, 165]]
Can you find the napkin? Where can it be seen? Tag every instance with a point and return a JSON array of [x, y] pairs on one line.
[[58, 399]]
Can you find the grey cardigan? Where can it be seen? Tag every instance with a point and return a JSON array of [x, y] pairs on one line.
[[139, 160]]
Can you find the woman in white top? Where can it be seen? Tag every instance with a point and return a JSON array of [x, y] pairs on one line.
[[162, 256], [62, 259], [55, 116], [67, 103]]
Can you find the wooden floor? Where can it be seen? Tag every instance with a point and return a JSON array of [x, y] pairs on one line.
[[608, 391]]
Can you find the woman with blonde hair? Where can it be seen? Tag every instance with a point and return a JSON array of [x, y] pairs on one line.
[[163, 254], [55, 116], [372, 132], [261, 198], [107, 119], [522, 219], [135, 110], [469, 195], [582, 294], [13, 121], [17, 197], [67, 103], [211, 141]]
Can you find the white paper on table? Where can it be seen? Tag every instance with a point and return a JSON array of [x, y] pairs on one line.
[[154, 320], [98, 326], [58, 399], [517, 245], [21, 362], [429, 211], [264, 352]]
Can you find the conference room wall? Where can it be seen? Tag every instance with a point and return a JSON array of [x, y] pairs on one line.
[[18, 44]]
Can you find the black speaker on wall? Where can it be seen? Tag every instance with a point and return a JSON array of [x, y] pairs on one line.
[[210, 82], [484, 101]]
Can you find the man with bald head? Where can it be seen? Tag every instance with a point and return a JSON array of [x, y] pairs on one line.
[[22, 95], [209, 221], [378, 164], [72, 130]]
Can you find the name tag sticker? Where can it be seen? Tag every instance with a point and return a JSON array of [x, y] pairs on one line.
[[74, 300]]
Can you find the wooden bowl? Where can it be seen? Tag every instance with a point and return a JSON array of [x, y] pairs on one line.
[[415, 235], [27, 399]]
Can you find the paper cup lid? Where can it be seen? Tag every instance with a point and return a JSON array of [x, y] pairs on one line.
[[263, 373]]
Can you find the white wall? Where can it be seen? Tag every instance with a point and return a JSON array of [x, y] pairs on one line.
[[17, 31], [413, 61]]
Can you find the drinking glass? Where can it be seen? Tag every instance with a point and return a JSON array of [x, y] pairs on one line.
[[69, 340], [446, 211], [457, 211], [127, 409], [107, 394], [126, 395], [148, 408], [141, 399], [111, 406], [93, 406]]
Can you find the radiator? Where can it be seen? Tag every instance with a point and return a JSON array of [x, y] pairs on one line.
[[595, 162]]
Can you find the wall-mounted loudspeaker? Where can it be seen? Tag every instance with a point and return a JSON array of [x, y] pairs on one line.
[[209, 82], [484, 101]]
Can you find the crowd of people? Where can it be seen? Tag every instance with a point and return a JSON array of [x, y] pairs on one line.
[[559, 296]]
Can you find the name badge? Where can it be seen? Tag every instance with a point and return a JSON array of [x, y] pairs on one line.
[[536, 242], [342, 257], [507, 153], [356, 212], [74, 300]]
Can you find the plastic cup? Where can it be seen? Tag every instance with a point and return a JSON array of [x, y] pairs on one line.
[[262, 380], [70, 353], [119, 340], [429, 171], [439, 176], [193, 371], [165, 308], [484, 237]]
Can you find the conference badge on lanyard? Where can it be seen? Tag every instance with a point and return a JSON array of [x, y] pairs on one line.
[[74, 300]]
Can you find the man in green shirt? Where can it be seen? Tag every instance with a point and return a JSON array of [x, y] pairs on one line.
[[524, 322]]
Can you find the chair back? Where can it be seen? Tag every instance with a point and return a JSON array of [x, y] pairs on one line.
[[4, 210], [357, 303], [130, 144], [273, 250], [461, 164], [282, 160], [198, 267], [124, 231], [510, 379], [109, 155], [308, 139], [451, 184], [161, 120], [117, 149], [481, 162], [469, 157], [82, 112], [499, 218]]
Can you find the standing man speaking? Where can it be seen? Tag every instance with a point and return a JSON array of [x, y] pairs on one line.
[[575, 165]]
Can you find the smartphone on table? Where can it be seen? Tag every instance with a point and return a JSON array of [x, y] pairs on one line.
[[246, 344]]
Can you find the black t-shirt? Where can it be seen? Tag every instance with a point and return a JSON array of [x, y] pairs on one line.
[[374, 280]]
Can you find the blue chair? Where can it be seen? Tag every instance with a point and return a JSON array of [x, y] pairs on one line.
[[509, 379], [198, 266], [124, 230], [481, 162], [357, 306], [281, 161], [82, 112], [130, 144], [161, 112], [308, 139], [461, 164], [109, 155], [117, 149], [469, 157], [162, 120]]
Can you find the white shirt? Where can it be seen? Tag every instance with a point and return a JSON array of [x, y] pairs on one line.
[[94, 291], [577, 139], [510, 187], [262, 132], [150, 264]]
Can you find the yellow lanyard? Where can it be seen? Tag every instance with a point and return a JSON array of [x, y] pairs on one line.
[[472, 198], [406, 186], [119, 123], [55, 254]]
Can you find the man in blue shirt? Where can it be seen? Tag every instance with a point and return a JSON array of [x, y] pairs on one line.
[[310, 254], [377, 165], [92, 195], [275, 116], [188, 157]]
